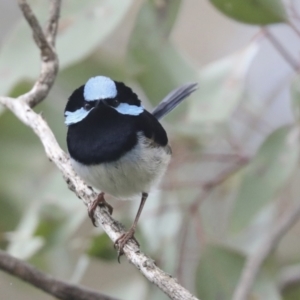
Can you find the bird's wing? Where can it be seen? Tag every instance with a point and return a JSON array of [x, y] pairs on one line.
[[152, 129], [173, 99]]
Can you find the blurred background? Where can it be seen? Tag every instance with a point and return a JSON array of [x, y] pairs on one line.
[[235, 142]]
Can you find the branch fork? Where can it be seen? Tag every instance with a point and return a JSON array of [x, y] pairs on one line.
[[45, 41]]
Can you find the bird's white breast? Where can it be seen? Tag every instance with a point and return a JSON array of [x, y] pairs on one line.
[[135, 172]]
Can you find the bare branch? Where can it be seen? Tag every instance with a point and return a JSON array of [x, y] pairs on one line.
[[45, 42], [37, 31], [21, 107], [283, 52], [289, 277], [255, 261], [114, 229], [57, 288], [51, 28]]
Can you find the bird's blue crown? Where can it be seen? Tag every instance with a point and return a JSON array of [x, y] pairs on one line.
[[99, 87]]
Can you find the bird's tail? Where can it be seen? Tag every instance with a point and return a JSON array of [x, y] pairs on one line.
[[173, 99]]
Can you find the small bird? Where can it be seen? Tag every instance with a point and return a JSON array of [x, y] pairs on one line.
[[116, 145]]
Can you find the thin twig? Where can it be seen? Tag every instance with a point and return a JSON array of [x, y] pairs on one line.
[[181, 251], [256, 259], [194, 206], [52, 24], [57, 288], [289, 278], [255, 121], [295, 28], [49, 60], [37, 30], [278, 46]]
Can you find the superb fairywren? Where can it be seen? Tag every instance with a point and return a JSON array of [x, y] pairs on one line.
[[115, 144]]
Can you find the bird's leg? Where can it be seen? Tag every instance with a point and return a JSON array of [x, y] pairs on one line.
[[101, 202], [122, 240]]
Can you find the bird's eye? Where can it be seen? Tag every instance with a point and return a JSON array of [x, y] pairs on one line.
[[114, 102], [87, 106]]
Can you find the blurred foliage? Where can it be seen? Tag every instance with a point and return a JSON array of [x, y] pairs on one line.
[[220, 196], [261, 12], [216, 105], [219, 271], [100, 247], [262, 181], [153, 58], [295, 93], [77, 20], [292, 293]]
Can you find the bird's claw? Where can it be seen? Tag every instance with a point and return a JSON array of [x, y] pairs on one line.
[[101, 202], [122, 240]]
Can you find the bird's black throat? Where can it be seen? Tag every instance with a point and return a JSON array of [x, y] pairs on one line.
[[103, 136]]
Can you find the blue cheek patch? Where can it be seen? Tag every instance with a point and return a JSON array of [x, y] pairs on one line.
[[127, 109], [75, 116], [123, 108]]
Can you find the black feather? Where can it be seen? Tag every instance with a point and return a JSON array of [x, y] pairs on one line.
[[151, 128], [104, 136], [173, 99]]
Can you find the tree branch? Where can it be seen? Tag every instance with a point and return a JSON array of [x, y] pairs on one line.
[[45, 42], [289, 278], [21, 107], [113, 228], [284, 53], [255, 261], [57, 288], [52, 25]]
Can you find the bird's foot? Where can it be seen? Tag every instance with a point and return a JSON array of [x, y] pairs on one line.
[[101, 202], [122, 240]]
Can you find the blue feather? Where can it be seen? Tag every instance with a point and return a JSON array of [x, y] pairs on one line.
[[99, 87]]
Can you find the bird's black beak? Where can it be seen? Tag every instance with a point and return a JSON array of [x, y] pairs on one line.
[[99, 102]]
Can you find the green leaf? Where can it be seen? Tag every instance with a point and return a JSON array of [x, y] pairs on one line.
[[221, 87], [23, 244], [51, 219], [218, 273], [295, 93], [156, 18], [90, 23], [9, 214], [153, 59], [83, 26], [266, 175], [101, 247], [77, 74], [260, 12], [292, 293]]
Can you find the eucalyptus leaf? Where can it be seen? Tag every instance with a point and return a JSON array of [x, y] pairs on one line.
[[295, 93], [77, 74], [221, 87], [51, 219], [153, 60], [218, 273], [292, 293], [23, 244], [83, 26], [90, 24], [9, 214], [101, 247], [259, 12], [266, 175], [159, 225]]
